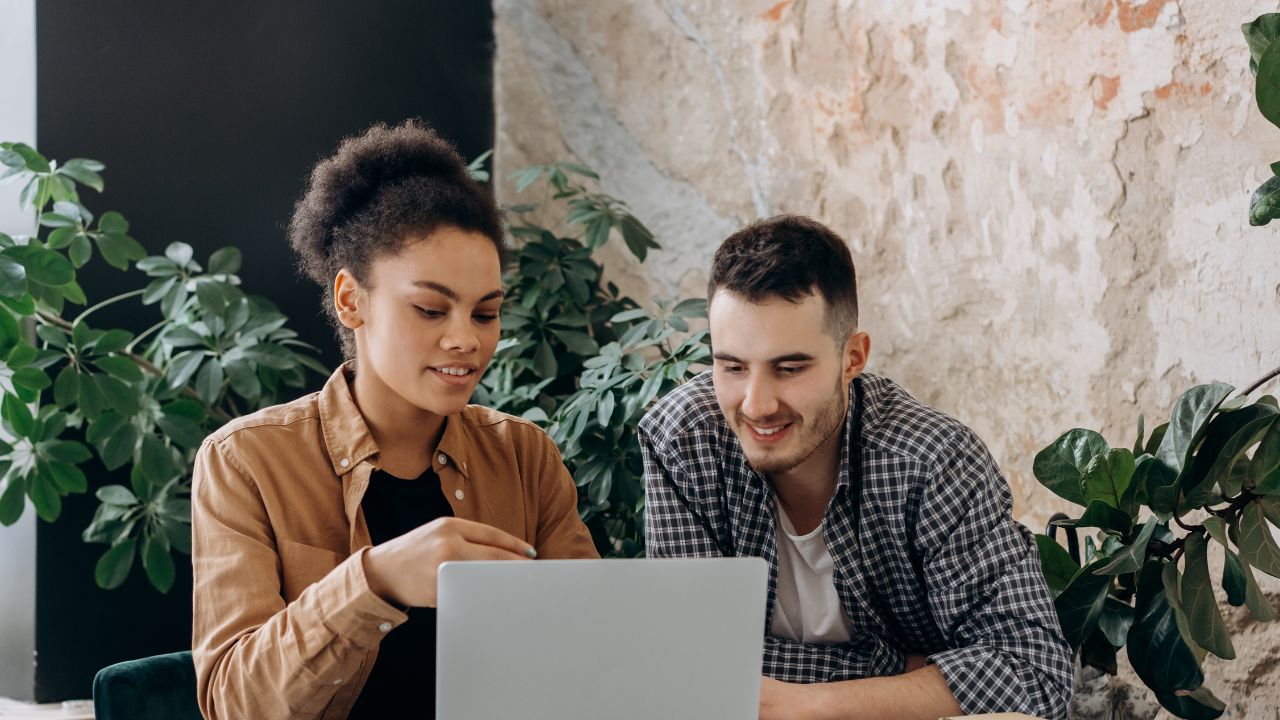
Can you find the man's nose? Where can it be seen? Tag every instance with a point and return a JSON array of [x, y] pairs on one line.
[[760, 401]]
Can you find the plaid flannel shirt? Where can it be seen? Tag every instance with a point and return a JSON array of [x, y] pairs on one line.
[[928, 561]]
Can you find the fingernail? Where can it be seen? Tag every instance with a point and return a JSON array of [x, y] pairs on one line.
[[530, 553]]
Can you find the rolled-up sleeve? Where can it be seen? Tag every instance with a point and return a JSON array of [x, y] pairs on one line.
[[1006, 651], [255, 655]]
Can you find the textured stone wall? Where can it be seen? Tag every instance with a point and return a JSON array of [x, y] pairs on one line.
[[1046, 199]]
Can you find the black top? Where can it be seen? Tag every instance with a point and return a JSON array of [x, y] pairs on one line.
[[404, 675]]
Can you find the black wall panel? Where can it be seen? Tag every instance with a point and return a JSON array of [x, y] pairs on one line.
[[208, 116]]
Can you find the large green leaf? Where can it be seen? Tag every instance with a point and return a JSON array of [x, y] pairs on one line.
[[1155, 646], [43, 266], [1197, 481], [44, 497], [1115, 620], [1056, 563], [1267, 84], [13, 277], [1233, 581], [1160, 484], [1132, 557], [1060, 466], [1200, 704], [1234, 451], [158, 563], [1080, 604], [1257, 547], [1264, 469], [1190, 418], [1107, 477], [114, 565], [13, 498], [1102, 515], [1257, 602], [1259, 35], [1205, 620], [17, 415]]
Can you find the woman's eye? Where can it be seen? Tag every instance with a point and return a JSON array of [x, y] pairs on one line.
[[427, 312], [486, 318]]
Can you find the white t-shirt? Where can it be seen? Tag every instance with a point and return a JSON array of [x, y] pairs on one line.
[[806, 607]]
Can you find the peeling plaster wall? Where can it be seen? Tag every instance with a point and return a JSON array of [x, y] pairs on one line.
[[1046, 199]]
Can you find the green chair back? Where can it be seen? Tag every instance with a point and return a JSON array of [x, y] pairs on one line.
[[161, 687]]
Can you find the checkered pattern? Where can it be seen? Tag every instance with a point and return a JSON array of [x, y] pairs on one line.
[[929, 561]]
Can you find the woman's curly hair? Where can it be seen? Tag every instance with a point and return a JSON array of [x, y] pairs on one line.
[[377, 192]]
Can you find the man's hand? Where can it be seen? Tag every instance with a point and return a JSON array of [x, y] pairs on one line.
[[783, 700], [403, 570]]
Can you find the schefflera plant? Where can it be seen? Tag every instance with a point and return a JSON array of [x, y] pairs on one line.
[[77, 394], [1208, 477]]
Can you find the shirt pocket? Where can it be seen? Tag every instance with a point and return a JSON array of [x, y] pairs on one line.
[[301, 565]]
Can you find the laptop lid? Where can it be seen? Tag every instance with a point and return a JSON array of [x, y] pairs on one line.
[[620, 639]]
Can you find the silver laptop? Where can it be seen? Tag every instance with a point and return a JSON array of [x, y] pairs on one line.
[[586, 639]]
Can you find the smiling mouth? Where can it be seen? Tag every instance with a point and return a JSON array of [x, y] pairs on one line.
[[454, 372], [767, 435]]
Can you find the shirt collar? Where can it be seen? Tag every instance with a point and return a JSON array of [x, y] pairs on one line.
[[346, 436], [846, 434], [349, 441]]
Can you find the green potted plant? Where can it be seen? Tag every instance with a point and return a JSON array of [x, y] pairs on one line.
[[72, 390], [1208, 480]]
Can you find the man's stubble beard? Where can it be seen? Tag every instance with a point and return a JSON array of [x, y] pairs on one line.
[[812, 434]]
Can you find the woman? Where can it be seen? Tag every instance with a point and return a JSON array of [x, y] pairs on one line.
[[318, 525]]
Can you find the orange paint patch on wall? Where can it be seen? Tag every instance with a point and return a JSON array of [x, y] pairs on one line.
[[774, 14], [1103, 16], [1136, 16], [1108, 88], [1164, 92]]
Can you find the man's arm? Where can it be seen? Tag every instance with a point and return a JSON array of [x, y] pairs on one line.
[[922, 693], [987, 593], [675, 524]]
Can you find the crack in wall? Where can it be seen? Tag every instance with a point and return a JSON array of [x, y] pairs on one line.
[[677, 15]]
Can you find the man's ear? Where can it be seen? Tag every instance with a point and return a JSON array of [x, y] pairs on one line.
[[348, 299], [854, 358]]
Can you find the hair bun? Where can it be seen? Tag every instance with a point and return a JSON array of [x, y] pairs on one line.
[[345, 183]]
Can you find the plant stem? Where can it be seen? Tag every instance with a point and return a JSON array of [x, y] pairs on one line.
[[129, 348], [1260, 382], [108, 301]]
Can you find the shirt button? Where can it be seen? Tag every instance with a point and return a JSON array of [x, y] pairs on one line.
[[344, 462], [384, 627], [458, 493], [443, 460], [338, 681]]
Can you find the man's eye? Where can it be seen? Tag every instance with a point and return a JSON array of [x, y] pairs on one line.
[[731, 369], [791, 369]]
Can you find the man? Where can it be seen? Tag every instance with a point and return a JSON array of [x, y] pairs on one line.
[[899, 586]]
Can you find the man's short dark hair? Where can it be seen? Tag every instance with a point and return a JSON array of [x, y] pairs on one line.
[[790, 257]]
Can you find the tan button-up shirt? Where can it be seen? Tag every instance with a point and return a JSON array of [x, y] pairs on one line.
[[285, 625]]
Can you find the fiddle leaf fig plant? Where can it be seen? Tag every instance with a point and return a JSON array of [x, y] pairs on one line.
[[1264, 63], [1205, 482], [75, 392]]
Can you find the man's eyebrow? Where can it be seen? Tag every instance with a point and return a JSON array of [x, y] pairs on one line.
[[790, 357], [450, 293]]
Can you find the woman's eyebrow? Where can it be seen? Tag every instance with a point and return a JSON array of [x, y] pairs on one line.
[[452, 294]]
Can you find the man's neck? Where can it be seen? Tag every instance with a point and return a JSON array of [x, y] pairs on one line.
[[805, 491]]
